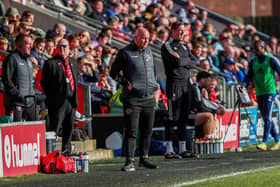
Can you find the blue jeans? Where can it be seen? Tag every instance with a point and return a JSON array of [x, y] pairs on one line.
[[265, 103]]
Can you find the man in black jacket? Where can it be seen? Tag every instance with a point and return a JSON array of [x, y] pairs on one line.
[[134, 68], [60, 86], [176, 59], [17, 80]]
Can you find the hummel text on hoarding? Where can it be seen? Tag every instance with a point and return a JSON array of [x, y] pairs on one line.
[[20, 155]]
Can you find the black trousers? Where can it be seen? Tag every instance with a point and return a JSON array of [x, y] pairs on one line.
[[138, 113], [23, 113], [179, 104], [63, 117]]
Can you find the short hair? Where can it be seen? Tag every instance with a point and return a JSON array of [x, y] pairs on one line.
[[27, 13], [175, 25], [73, 37], [20, 38], [49, 40], [102, 35], [202, 75], [3, 40], [39, 40]]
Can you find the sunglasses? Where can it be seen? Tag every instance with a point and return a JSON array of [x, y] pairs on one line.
[[59, 46]]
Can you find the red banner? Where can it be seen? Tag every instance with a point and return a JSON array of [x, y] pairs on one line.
[[228, 129], [22, 145]]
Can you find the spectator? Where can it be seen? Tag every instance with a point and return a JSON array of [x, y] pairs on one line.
[[167, 6], [103, 80], [109, 33], [102, 39], [272, 43], [97, 10], [59, 82], [74, 44], [196, 51], [193, 16], [203, 16], [12, 14], [28, 17], [3, 43], [225, 41], [125, 26], [59, 29], [39, 96], [232, 72], [80, 8], [183, 12], [113, 21], [85, 38], [38, 51], [204, 64], [17, 78], [8, 31], [197, 26], [113, 9], [49, 48], [162, 36], [213, 90], [88, 75]]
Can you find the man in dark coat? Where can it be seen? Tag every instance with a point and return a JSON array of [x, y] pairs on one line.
[[60, 86]]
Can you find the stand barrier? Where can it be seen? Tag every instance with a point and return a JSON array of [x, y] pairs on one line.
[[105, 125], [21, 145]]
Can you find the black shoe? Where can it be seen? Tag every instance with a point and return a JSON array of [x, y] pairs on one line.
[[129, 166], [145, 163], [172, 155], [186, 154]]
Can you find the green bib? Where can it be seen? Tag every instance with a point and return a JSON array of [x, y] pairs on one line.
[[264, 76]]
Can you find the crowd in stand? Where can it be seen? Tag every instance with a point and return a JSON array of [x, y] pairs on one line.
[[227, 53]]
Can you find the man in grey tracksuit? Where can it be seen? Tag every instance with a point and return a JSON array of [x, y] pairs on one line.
[[17, 80], [134, 69]]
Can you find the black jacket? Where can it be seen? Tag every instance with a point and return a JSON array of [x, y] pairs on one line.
[[54, 83], [176, 69], [138, 69]]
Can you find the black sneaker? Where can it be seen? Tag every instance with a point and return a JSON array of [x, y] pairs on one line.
[[172, 155], [129, 166], [186, 154], [145, 163]]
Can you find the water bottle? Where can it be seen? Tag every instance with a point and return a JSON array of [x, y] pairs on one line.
[[76, 158], [221, 146], [11, 116], [207, 143], [80, 164], [85, 161]]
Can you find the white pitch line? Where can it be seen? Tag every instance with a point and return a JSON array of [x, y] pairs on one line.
[[223, 176]]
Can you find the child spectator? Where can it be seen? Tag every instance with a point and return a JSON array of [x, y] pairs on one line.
[[213, 90], [38, 51]]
